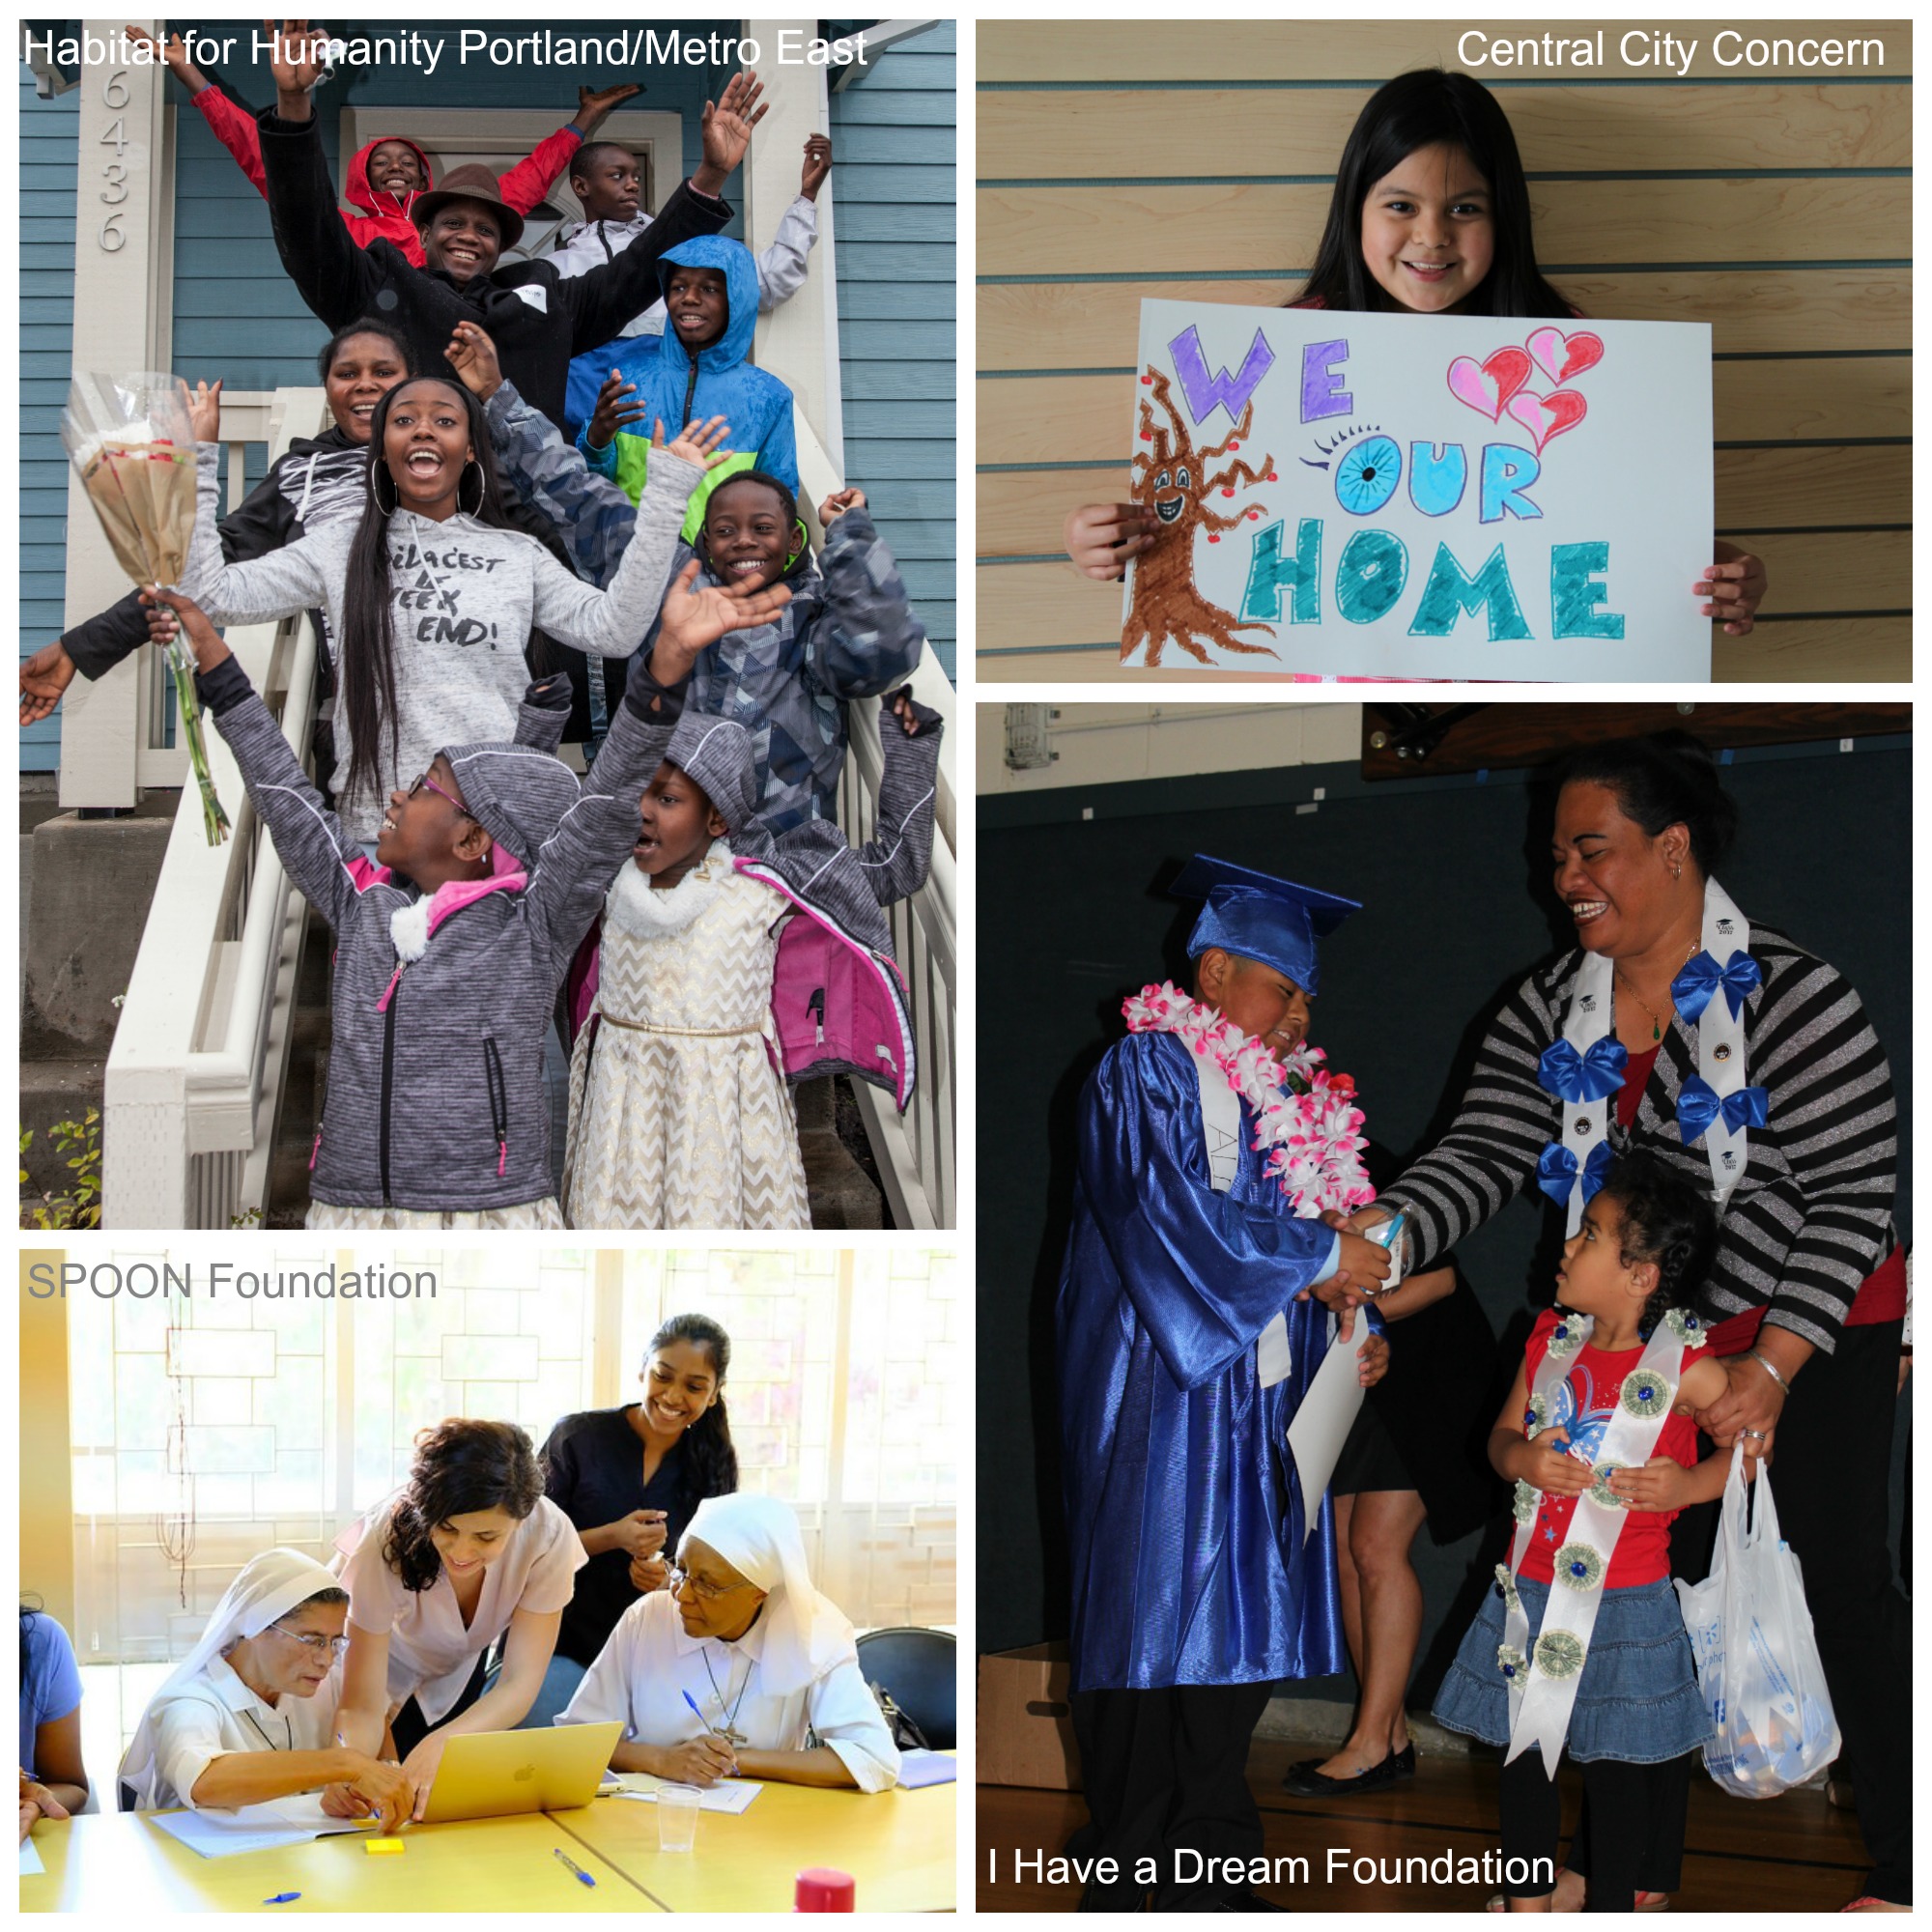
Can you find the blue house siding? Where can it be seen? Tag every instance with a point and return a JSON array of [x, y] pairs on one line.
[[48, 138], [893, 131]]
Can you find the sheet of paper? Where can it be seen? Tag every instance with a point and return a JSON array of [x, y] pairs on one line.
[[30, 1859], [269, 1826], [1322, 1424], [734, 1795], [920, 1768]]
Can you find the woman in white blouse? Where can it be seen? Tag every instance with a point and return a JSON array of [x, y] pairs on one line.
[[249, 1714], [468, 1551], [741, 1668]]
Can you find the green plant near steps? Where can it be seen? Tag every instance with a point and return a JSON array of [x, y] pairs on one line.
[[77, 1143]]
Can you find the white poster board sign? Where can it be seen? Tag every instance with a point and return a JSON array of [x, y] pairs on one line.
[[1426, 497]]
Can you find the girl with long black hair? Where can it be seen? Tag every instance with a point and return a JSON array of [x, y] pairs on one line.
[[631, 1478], [1430, 216], [430, 595]]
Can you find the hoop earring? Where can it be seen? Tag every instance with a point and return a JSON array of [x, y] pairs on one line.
[[472, 464], [379, 469]]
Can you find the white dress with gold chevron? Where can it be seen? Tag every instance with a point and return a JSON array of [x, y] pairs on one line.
[[679, 1116]]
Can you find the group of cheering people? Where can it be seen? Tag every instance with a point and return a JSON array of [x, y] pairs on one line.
[[452, 540], [499, 1589], [1706, 1100]]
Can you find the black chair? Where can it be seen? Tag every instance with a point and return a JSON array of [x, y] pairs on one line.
[[919, 1669]]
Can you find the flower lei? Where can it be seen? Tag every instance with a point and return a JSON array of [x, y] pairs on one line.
[[1311, 1130]]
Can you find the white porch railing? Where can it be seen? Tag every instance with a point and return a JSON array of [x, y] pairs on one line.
[[195, 1074], [915, 1150]]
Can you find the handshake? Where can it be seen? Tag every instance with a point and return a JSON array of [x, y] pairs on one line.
[[1373, 1258]]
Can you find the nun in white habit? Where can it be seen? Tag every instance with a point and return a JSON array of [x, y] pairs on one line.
[[768, 1662], [249, 1714]]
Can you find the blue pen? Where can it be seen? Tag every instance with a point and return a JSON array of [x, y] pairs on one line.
[[582, 1877], [695, 1711], [282, 1898]]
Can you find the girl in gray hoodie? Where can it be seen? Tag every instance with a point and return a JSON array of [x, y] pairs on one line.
[[450, 950]]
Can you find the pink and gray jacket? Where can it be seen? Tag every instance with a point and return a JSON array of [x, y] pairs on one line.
[[838, 1003]]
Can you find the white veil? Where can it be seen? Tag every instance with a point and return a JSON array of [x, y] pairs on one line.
[[268, 1586], [805, 1635]]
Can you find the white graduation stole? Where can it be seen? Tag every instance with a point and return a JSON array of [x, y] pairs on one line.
[[1542, 1680], [1221, 1141]]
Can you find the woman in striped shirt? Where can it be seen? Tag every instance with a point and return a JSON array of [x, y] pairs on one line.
[[1807, 1293]]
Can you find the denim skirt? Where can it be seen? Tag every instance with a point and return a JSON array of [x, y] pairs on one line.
[[1637, 1700]]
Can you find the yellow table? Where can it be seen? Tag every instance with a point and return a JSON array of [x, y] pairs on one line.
[[899, 1846], [122, 1861]]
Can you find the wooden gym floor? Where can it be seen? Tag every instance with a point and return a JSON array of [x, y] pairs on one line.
[[1789, 1854]]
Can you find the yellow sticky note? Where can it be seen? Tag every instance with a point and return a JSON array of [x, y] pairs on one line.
[[376, 1845]]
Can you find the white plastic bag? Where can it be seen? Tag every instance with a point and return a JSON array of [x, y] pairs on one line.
[[1756, 1658]]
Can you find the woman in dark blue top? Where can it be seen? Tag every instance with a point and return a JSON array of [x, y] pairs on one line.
[[630, 1479]]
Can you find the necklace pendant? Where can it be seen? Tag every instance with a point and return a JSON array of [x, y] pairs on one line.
[[1656, 1033], [735, 1736]]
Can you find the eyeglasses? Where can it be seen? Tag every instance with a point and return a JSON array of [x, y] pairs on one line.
[[702, 1591], [429, 784], [313, 1640]]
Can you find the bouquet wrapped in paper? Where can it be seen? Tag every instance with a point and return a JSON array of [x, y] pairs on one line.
[[132, 438]]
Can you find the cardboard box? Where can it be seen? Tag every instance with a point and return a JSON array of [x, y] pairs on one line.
[[1025, 1734]]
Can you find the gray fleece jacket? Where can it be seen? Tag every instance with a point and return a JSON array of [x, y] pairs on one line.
[[463, 598], [440, 1007]]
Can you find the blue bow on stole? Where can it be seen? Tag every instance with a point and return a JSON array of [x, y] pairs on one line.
[[1698, 1105], [1556, 1171], [1702, 976], [1594, 1075]]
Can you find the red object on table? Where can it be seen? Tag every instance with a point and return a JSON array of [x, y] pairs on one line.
[[821, 1889]]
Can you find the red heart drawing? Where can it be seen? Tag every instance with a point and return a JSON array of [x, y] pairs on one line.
[[1545, 416], [1487, 386], [1560, 357]]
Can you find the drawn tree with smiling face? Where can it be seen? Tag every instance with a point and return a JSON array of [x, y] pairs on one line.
[[1171, 480]]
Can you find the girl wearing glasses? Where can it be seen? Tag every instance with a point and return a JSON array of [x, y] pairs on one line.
[[471, 1550], [249, 1714], [741, 1668]]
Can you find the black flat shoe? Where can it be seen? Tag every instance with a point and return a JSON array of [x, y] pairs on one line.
[[1307, 1780]]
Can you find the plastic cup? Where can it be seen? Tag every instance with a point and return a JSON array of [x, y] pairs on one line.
[[677, 1817]]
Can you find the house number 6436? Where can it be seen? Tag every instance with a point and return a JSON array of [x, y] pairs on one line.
[[114, 93]]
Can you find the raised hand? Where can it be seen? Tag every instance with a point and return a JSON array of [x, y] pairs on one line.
[[726, 129], [175, 54], [294, 59], [696, 443], [594, 103], [203, 412], [817, 165], [694, 617], [473, 355], [44, 677], [616, 409], [836, 504]]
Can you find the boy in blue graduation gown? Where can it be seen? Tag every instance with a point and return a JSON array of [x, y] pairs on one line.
[[1193, 1589]]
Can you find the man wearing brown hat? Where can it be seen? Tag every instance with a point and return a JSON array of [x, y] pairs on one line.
[[538, 318]]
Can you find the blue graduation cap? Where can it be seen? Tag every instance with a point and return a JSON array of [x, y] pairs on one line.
[[1258, 917]]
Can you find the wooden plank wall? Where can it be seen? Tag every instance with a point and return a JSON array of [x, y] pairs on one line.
[[1774, 204]]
